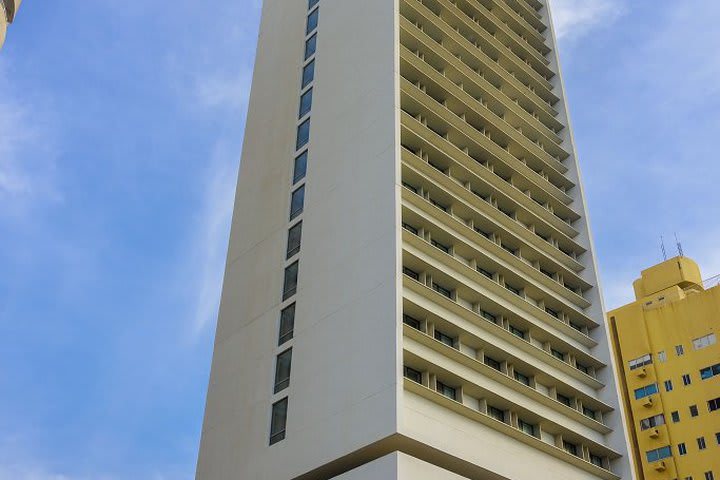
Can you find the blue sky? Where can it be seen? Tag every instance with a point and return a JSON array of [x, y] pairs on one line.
[[120, 130]]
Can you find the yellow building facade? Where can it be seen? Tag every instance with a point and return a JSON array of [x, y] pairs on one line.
[[668, 359]]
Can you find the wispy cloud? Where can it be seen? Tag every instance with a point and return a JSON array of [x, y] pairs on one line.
[[27, 149], [223, 89], [574, 18], [210, 241]]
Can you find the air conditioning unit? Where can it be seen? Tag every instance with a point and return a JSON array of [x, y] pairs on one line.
[[641, 372], [660, 466], [648, 402], [654, 433]]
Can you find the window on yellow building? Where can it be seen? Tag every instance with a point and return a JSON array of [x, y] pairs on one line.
[[710, 372], [704, 341], [646, 391], [640, 361]]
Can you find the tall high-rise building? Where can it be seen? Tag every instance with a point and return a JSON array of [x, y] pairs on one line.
[[7, 15], [668, 360], [410, 289]]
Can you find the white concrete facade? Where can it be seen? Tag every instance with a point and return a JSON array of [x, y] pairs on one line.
[[351, 413]]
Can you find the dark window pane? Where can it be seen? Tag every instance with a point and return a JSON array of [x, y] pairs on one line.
[[278, 421], [412, 374], [297, 202], [414, 323], [300, 167], [305, 103], [310, 46], [282, 370], [312, 21], [308, 74], [312, 3], [444, 338], [290, 282], [294, 237], [287, 324], [303, 134]]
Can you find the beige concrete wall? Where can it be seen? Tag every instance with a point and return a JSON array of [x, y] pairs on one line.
[[345, 368], [398, 466]]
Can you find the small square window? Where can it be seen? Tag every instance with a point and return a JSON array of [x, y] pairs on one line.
[[557, 354], [412, 322], [492, 363], [300, 167], [412, 374], [565, 400], [709, 475], [527, 427], [682, 449], [524, 379], [305, 103], [444, 338], [496, 413], [675, 416], [312, 21], [303, 134], [668, 385], [287, 324], [570, 448], [596, 460], [447, 391], [310, 46], [686, 380], [701, 443], [297, 202], [308, 74], [517, 332], [662, 357], [679, 350], [411, 273], [694, 411]]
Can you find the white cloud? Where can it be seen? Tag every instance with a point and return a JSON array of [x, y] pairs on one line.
[[27, 149], [577, 17], [229, 90], [211, 238]]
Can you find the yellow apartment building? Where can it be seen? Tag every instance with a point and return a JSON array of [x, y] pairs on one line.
[[669, 369]]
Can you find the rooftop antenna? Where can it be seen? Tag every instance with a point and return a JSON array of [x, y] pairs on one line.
[[679, 246], [662, 245]]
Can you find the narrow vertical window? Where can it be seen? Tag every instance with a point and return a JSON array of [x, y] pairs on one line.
[[303, 134], [312, 3], [282, 370], [278, 421], [294, 238], [287, 324], [300, 167], [312, 21], [297, 202], [308, 74], [310, 46], [305, 103], [290, 282]]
